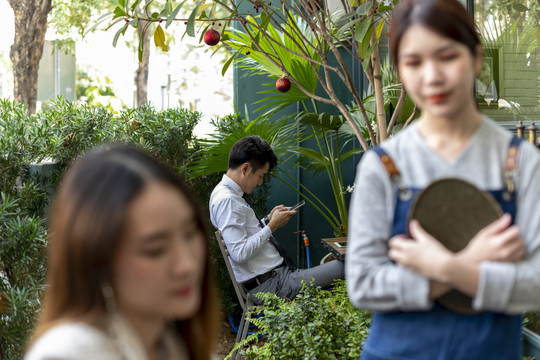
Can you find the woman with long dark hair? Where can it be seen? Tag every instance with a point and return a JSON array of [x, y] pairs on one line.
[[128, 270], [401, 271]]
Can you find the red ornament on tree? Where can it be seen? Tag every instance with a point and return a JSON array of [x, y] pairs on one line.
[[283, 84], [211, 37]]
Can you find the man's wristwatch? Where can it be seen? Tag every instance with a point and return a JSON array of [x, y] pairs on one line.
[[266, 220]]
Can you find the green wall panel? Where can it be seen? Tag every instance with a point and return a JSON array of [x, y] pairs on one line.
[[308, 219]]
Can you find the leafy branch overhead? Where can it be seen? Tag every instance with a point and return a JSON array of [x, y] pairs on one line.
[[302, 44]]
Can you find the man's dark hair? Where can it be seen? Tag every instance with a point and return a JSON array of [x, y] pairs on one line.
[[254, 150]]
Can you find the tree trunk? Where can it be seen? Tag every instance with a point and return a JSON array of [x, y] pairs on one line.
[[141, 76], [27, 48]]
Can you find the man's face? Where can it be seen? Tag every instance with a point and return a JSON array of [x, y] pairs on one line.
[[251, 179]]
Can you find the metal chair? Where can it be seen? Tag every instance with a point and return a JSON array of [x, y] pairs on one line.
[[243, 298]]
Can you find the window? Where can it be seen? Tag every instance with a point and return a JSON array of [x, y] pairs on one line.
[[507, 89]]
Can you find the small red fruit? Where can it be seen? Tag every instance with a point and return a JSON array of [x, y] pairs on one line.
[[211, 37], [283, 84], [4, 304]]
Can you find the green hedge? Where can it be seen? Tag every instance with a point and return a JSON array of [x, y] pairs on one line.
[[316, 324], [58, 134]]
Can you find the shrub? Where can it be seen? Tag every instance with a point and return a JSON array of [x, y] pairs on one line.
[[316, 324], [61, 133], [22, 269], [22, 229], [532, 321]]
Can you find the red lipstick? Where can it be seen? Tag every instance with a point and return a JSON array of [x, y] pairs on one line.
[[183, 292], [439, 98]]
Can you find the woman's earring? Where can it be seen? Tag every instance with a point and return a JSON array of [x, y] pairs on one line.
[[108, 295]]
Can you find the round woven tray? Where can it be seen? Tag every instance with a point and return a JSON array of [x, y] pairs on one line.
[[453, 211]]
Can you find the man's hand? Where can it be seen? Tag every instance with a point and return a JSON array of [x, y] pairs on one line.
[[276, 208], [279, 217]]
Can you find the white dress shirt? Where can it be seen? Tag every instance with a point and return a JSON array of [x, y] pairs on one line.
[[251, 252]]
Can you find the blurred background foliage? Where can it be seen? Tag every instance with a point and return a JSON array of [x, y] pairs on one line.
[[35, 152]]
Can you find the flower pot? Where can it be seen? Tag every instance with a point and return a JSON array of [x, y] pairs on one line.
[[328, 257]]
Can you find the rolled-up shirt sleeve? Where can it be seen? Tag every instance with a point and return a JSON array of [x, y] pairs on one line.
[[515, 287]]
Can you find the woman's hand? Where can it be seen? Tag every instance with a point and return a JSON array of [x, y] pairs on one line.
[[499, 241], [423, 253]]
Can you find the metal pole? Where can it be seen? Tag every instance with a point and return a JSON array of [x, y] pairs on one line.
[[519, 129], [532, 133], [56, 71]]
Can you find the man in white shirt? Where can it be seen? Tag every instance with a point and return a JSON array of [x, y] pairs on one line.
[[257, 259]]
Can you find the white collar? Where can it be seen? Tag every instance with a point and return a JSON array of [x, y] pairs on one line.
[[231, 184]]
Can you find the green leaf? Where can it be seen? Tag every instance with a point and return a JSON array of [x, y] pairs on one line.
[[384, 8], [99, 21], [147, 6], [190, 29], [265, 20], [256, 40], [155, 15], [367, 57], [173, 14], [122, 3], [113, 2], [364, 8], [204, 31], [164, 13], [134, 22], [134, 5], [118, 12], [168, 7], [363, 45], [115, 21], [121, 31], [362, 29], [520, 7], [324, 120], [228, 63]]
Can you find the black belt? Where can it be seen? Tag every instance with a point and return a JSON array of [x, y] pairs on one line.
[[259, 279]]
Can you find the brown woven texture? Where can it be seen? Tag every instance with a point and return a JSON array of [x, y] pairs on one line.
[[453, 211]]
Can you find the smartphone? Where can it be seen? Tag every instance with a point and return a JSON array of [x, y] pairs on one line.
[[300, 204]]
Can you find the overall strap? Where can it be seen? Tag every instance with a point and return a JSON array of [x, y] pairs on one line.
[[404, 192], [510, 166]]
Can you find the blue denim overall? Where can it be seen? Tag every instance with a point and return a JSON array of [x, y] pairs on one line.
[[439, 333]]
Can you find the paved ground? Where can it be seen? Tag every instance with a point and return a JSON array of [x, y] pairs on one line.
[[225, 340]]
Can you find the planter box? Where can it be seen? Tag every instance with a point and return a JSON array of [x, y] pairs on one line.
[[531, 344], [43, 172]]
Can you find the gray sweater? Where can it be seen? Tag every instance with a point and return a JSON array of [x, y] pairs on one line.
[[375, 283]]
